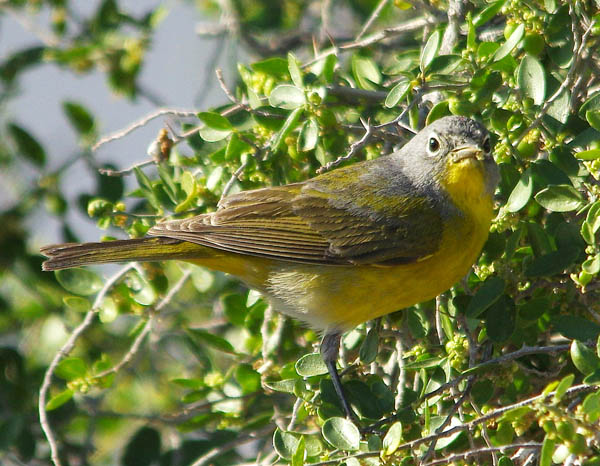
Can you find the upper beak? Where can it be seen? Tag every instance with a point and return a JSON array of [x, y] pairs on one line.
[[467, 152]]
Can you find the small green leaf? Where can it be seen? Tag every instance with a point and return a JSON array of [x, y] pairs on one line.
[[27, 145], [294, 69], [248, 378], [532, 79], [486, 295], [285, 386], [430, 50], [488, 13], [369, 347], [77, 303], [71, 369], [584, 359], [397, 93], [576, 328], [366, 72], [300, 453], [275, 66], [551, 263], [285, 443], [591, 154], [593, 118], [593, 217], [287, 97], [521, 193], [79, 281], [79, 117], [214, 341], [392, 439], [592, 265], [309, 135], [58, 400], [591, 406], [510, 43], [563, 386], [559, 198], [215, 121], [290, 124], [547, 451], [341, 433], [310, 365], [441, 109]]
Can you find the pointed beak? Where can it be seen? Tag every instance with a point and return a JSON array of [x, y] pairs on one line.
[[467, 152]]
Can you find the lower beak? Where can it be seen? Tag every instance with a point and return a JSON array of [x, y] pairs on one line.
[[468, 152]]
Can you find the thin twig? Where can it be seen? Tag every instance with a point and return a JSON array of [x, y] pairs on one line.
[[354, 148], [482, 451], [126, 171], [376, 12], [137, 343], [142, 122], [63, 352]]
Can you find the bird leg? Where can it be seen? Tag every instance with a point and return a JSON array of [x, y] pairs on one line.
[[330, 346]]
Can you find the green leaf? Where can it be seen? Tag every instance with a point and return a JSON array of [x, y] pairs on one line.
[[591, 406], [214, 341], [532, 79], [309, 135], [551, 263], [584, 359], [392, 439], [79, 281], [287, 97], [79, 117], [593, 118], [369, 347], [441, 109], [148, 190], [285, 386], [592, 265], [576, 328], [547, 451], [59, 399], [77, 303], [275, 66], [520, 195], [486, 295], [559, 198], [430, 50], [248, 378], [27, 145], [217, 126], [563, 386], [310, 365], [341, 433], [290, 124], [500, 319], [300, 453], [71, 369], [488, 13], [397, 93], [294, 69], [445, 64], [510, 43], [593, 217], [366, 72], [591, 154], [285, 443]]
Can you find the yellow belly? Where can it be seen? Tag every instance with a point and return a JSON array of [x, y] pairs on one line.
[[341, 297]]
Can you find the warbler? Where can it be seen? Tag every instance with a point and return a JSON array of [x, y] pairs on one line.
[[345, 247]]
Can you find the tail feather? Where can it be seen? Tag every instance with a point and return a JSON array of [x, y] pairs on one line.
[[67, 255]]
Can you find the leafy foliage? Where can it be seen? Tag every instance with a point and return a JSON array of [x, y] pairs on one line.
[[505, 364]]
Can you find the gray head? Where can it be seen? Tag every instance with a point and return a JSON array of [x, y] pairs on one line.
[[450, 145]]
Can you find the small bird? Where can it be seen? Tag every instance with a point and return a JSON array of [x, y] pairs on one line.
[[345, 247]]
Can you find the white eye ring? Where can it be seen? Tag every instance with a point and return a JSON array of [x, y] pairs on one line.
[[433, 145]]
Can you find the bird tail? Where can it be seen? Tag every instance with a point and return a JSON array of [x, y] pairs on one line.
[[67, 255]]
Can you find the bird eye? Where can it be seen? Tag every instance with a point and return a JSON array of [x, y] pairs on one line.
[[434, 145], [487, 147]]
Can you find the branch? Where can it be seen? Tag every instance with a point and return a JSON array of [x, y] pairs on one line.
[[137, 343], [354, 148], [142, 122], [483, 451], [376, 12], [63, 352]]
